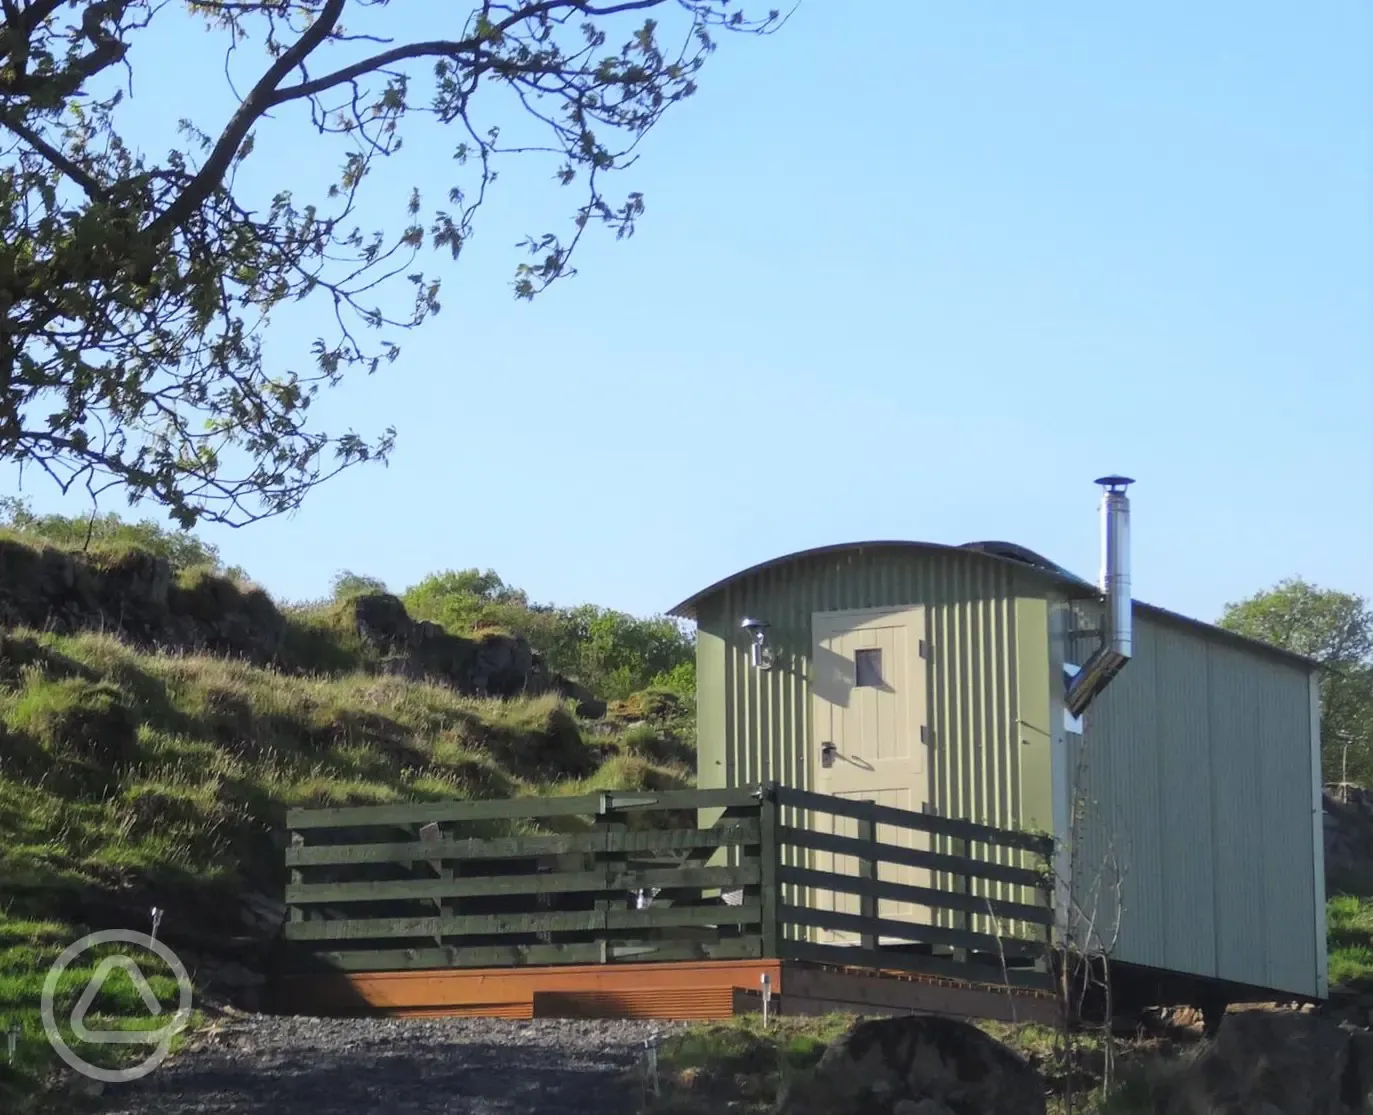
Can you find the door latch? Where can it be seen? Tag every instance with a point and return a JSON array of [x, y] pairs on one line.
[[827, 754]]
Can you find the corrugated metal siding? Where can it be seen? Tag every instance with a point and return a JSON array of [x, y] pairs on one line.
[[1187, 836], [766, 715], [971, 607], [1119, 810], [1196, 766]]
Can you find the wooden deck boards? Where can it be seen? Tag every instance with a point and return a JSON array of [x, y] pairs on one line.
[[688, 991]]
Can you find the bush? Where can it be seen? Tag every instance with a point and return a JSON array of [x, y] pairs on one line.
[[611, 653]]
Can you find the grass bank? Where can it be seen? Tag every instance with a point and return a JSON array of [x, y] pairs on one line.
[[130, 780], [1349, 931]]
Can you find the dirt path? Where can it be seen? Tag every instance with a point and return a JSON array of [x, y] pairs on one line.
[[296, 1066]]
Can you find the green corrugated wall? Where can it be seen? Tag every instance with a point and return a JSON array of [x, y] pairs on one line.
[[988, 675]]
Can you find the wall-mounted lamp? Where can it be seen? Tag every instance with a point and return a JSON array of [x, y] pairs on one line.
[[760, 654]]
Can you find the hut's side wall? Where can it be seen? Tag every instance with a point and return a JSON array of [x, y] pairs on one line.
[[1194, 772]]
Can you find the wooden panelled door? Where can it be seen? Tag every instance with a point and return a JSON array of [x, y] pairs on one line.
[[870, 726]]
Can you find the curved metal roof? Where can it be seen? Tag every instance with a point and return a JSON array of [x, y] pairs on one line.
[[1021, 556]]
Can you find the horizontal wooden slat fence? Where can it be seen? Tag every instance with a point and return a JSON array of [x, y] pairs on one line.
[[819, 868], [378, 888], [632, 877]]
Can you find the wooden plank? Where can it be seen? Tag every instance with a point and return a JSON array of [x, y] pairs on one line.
[[993, 1005], [911, 857], [842, 956], [418, 813], [432, 834], [769, 866], [552, 882], [510, 956], [559, 921], [702, 1003], [914, 931], [519, 847], [867, 871], [905, 818], [612, 824], [921, 896], [501, 991], [294, 877], [865, 993]]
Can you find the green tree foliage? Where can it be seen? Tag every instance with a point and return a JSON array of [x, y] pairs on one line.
[[135, 285], [1336, 629], [613, 653], [347, 584], [182, 549]]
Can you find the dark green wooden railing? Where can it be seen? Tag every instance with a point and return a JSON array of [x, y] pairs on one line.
[[779, 873]]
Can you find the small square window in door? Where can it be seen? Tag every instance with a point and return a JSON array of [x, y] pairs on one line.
[[867, 668]]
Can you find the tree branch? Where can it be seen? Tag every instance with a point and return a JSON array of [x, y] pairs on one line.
[[92, 188], [257, 102], [448, 48]]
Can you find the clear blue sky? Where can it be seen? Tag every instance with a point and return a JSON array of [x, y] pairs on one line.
[[907, 271]]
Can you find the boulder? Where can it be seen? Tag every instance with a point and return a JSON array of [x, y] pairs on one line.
[[1282, 1061], [501, 666], [1357, 1085], [1348, 826], [916, 1065], [382, 621]]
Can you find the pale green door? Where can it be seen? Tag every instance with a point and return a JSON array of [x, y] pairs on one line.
[[870, 721]]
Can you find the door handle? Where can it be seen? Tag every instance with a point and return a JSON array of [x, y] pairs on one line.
[[827, 754]]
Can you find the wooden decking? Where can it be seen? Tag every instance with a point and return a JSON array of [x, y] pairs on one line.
[[694, 991], [663, 905]]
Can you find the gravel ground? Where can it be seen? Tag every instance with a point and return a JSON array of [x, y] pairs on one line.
[[457, 1066]]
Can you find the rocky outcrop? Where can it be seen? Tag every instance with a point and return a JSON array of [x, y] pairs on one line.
[[491, 664], [1351, 1003], [135, 595], [139, 597], [916, 1065], [1349, 838], [1277, 1063]]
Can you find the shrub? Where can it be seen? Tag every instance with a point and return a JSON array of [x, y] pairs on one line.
[[180, 548], [611, 653]]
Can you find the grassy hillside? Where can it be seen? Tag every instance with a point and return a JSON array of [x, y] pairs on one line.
[[129, 780], [134, 777]]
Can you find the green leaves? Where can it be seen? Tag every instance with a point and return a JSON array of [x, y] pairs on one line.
[[1336, 629], [134, 291], [612, 653]]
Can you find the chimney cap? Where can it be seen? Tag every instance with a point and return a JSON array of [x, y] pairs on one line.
[[1114, 483]]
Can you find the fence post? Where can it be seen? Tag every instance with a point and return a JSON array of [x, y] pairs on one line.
[[962, 884], [608, 820], [770, 854], [867, 869], [296, 876], [1048, 891]]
